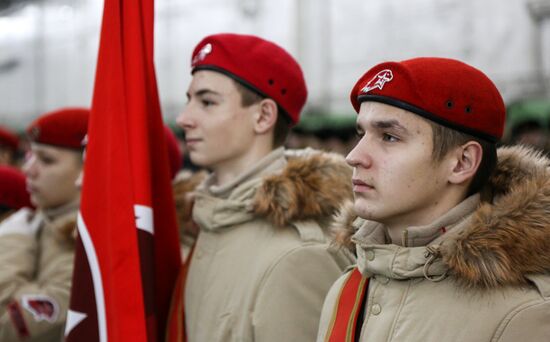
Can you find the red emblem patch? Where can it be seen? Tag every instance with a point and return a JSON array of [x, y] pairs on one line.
[[42, 308]]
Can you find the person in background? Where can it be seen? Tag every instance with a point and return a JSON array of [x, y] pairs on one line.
[[174, 152], [453, 242], [13, 191], [37, 246], [528, 123], [261, 264], [9, 146], [327, 132], [180, 138]]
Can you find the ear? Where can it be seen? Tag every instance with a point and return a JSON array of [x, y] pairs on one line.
[[266, 116], [466, 160]]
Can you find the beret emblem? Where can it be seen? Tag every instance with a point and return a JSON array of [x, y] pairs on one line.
[[378, 81], [204, 51]]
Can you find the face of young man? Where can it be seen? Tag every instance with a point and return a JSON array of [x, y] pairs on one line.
[[395, 180], [218, 129], [51, 174]]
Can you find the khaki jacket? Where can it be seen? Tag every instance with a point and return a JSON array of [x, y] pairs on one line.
[[480, 273], [35, 278], [261, 265]]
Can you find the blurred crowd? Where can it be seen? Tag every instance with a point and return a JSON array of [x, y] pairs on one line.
[[527, 123]]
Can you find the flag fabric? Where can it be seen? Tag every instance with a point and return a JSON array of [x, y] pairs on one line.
[[127, 254]]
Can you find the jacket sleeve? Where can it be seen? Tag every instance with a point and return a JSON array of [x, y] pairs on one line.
[[290, 299], [35, 280], [531, 322]]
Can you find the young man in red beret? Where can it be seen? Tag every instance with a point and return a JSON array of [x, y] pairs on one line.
[[37, 246], [453, 243], [261, 265]]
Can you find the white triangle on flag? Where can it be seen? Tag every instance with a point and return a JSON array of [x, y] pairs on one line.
[[73, 319], [144, 218]]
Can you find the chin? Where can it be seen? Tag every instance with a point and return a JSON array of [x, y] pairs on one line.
[[199, 160], [368, 211], [362, 209], [36, 202]]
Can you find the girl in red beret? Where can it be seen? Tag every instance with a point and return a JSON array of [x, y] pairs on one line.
[[36, 246]]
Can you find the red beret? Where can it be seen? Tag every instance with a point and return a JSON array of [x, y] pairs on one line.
[[8, 139], [174, 152], [63, 128], [13, 190], [443, 90], [257, 64]]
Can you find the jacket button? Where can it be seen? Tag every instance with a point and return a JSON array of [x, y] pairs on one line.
[[376, 309], [370, 255]]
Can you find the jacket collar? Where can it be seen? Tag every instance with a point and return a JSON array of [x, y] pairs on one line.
[[230, 204], [51, 215], [284, 187], [377, 255], [61, 221], [418, 236], [272, 162]]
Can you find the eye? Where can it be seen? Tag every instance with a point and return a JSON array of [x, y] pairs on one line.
[[45, 159], [389, 138], [359, 134], [207, 103]]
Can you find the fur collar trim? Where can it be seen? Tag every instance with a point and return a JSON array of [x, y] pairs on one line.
[[510, 237], [311, 186]]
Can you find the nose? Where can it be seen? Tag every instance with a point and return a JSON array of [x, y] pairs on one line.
[[78, 181], [359, 155], [29, 167], [185, 119]]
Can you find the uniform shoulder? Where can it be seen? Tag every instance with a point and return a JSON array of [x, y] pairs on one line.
[[530, 321]]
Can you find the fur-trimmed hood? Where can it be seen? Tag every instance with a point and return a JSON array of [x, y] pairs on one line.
[[507, 238], [285, 187]]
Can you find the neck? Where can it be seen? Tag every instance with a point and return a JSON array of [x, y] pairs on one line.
[[396, 226], [230, 170], [52, 213]]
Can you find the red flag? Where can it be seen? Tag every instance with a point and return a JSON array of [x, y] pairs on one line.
[[127, 256]]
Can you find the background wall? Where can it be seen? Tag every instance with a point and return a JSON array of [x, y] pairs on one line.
[[48, 48]]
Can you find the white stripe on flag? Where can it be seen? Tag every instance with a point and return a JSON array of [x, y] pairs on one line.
[[96, 276]]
